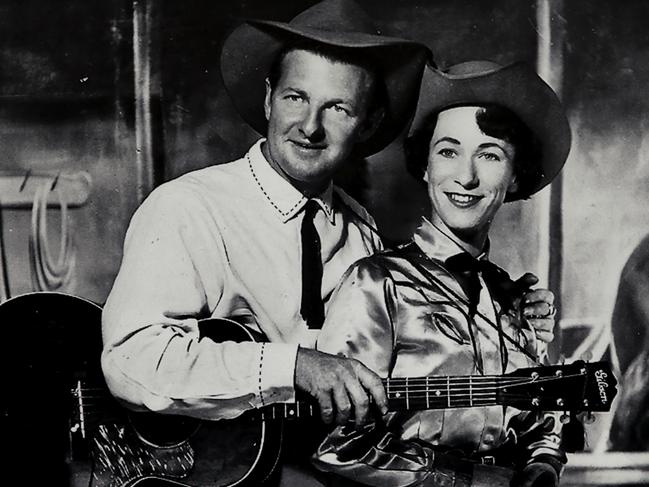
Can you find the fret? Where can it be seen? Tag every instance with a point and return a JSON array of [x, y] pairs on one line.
[[387, 387], [407, 395], [470, 391], [427, 393], [448, 390]]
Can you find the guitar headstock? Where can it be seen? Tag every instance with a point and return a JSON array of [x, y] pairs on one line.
[[575, 387]]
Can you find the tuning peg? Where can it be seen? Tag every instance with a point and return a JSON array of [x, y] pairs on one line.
[[564, 418], [587, 356]]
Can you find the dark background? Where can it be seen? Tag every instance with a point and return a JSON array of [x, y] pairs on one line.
[[67, 103]]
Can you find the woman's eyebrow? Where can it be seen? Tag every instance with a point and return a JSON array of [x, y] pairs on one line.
[[488, 145], [447, 139], [491, 144]]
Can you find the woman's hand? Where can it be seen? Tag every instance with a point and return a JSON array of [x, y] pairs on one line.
[[537, 308]]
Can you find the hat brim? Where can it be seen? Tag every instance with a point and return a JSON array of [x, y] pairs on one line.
[[250, 49], [516, 87]]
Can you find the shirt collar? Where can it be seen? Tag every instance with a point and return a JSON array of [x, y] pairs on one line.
[[439, 245], [280, 194]]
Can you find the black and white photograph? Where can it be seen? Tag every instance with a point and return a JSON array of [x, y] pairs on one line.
[[324, 243]]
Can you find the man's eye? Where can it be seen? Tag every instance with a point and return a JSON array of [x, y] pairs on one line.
[[339, 109], [295, 98]]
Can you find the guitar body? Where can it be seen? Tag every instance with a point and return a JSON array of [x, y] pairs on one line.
[[240, 452], [161, 450]]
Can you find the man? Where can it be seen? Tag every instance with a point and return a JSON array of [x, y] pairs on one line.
[[267, 237], [436, 307]]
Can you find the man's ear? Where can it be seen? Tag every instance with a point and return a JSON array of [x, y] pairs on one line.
[[371, 123], [267, 99]]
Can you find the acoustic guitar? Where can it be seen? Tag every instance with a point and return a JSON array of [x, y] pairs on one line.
[[245, 450], [127, 449]]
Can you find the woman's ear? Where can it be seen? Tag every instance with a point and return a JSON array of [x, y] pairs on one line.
[[513, 184]]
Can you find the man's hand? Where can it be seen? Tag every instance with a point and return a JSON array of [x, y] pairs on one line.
[[341, 386], [537, 307]]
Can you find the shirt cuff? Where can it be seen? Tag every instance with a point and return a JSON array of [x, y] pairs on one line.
[[277, 373]]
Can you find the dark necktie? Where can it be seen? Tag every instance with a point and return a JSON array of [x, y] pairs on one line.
[[312, 307], [466, 270]]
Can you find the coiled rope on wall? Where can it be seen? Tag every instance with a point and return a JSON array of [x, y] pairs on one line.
[[47, 274]]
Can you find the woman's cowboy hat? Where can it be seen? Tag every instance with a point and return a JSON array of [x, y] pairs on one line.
[[516, 87], [251, 48]]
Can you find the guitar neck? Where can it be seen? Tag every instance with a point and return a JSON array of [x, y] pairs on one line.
[[444, 392], [417, 393]]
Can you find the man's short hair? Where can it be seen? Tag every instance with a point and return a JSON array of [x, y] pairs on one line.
[[378, 97]]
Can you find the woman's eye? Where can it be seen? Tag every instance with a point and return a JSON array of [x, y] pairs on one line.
[[490, 156], [293, 98], [446, 152]]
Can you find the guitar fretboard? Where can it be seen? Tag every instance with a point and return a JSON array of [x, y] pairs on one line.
[[417, 393], [442, 392]]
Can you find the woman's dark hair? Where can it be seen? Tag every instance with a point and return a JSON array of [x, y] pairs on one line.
[[494, 121]]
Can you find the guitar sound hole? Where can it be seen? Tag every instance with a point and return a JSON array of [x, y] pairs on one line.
[[163, 431]]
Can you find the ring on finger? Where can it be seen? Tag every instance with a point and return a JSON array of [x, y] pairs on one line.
[[551, 310]]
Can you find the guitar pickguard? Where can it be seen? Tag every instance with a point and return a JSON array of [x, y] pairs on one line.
[[119, 456]]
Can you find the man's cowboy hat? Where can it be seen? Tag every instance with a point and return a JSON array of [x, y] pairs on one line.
[[516, 87], [251, 48]]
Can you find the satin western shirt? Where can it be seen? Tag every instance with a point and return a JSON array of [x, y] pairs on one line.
[[220, 242], [390, 316]]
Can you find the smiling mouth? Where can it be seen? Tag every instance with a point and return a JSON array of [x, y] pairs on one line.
[[463, 200], [307, 146]]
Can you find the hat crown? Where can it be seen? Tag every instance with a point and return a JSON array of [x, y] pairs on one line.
[[336, 16], [469, 69]]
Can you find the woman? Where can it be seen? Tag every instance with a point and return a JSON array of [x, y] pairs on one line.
[[483, 134]]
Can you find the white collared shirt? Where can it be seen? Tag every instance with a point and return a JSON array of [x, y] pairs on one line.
[[222, 241]]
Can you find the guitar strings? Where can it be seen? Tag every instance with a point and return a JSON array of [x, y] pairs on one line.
[[477, 378], [460, 379], [418, 388]]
